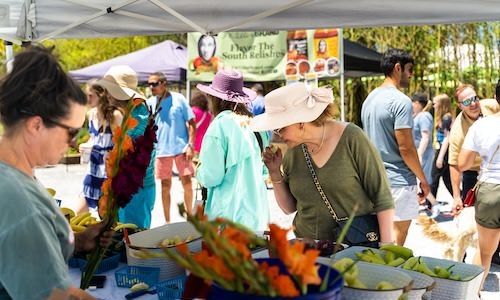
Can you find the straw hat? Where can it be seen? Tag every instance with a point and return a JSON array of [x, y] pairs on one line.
[[291, 104], [121, 82], [228, 85]]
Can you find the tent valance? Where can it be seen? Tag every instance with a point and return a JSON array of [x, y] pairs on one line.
[[33, 20]]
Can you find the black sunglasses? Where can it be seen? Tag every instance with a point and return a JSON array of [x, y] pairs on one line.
[[72, 131], [154, 84]]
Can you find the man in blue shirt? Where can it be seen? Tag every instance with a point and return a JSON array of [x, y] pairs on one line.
[[176, 133], [387, 120], [258, 102]]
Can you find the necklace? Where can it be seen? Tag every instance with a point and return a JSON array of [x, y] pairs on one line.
[[320, 144]]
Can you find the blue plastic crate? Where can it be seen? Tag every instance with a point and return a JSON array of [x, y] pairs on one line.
[[73, 262], [108, 263], [171, 289], [130, 275]]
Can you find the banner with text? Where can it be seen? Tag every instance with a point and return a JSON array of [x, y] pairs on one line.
[[265, 55]]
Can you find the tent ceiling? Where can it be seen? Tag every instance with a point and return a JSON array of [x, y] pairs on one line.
[[106, 18]]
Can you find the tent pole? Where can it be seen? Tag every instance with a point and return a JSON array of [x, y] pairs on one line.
[[342, 79], [188, 90], [84, 20], [9, 55], [181, 18], [263, 15]]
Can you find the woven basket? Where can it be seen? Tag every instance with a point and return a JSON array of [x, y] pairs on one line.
[[370, 275], [454, 289], [150, 239]]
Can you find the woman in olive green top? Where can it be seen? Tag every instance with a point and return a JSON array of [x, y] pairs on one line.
[[348, 167]]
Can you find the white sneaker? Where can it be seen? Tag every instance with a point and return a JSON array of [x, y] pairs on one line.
[[436, 210]]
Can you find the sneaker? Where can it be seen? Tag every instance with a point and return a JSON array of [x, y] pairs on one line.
[[435, 210], [425, 206]]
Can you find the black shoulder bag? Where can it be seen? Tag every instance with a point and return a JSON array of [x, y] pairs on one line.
[[364, 230]]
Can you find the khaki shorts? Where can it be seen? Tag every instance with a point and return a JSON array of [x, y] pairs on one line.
[[405, 202], [163, 166], [487, 205]]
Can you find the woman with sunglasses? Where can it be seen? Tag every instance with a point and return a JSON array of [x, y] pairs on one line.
[[41, 110], [347, 166]]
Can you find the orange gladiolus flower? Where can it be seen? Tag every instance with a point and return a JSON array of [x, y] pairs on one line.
[[182, 248], [131, 123], [117, 134], [127, 144], [215, 263], [278, 241], [283, 284], [137, 102], [300, 264], [303, 264]]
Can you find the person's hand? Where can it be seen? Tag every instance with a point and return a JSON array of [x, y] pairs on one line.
[[272, 158], [457, 207], [439, 163], [189, 153], [424, 191], [87, 240]]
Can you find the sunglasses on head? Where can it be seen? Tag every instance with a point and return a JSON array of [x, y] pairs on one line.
[[278, 131], [468, 101], [154, 84], [72, 131]]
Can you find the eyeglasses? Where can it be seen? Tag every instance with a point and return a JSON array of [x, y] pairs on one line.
[[468, 101], [154, 84], [72, 131]]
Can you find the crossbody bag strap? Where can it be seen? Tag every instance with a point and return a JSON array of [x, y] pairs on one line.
[[318, 186], [203, 117]]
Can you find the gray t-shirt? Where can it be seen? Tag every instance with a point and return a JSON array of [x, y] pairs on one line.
[[35, 239], [385, 110]]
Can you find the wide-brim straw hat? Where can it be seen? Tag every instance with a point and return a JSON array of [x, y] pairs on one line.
[[121, 82], [291, 104], [228, 85]]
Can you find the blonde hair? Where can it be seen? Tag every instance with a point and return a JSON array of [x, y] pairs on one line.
[[443, 108], [326, 115], [461, 87]]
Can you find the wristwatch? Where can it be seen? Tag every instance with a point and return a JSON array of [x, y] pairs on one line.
[[190, 145]]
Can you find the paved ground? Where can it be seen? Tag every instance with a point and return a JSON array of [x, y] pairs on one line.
[[67, 181]]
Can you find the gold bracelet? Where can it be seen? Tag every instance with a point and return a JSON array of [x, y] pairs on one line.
[[277, 181], [386, 243]]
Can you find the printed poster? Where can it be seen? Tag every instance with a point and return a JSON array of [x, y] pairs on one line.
[[265, 55], [260, 55]]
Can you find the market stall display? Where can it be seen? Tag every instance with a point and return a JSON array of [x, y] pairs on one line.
[[153, 238], [453, 280]]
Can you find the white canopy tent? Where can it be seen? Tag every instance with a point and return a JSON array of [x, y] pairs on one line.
[[38, 20], [35, 20]]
